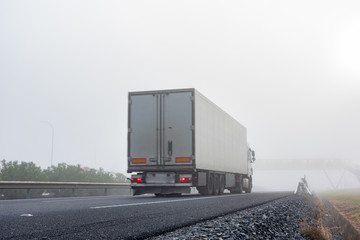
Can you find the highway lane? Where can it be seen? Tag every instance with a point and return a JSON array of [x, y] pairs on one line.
[[115, 217]]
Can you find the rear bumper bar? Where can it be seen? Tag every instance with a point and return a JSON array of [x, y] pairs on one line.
[[161, 190], [145, 185]]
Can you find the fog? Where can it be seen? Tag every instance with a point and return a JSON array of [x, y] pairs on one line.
[[288, 71]]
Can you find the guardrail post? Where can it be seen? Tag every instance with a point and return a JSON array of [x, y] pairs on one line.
[[28, 193], [105, 192], [73, 192]]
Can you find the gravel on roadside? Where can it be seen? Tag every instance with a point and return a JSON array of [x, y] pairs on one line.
[[279, 219]]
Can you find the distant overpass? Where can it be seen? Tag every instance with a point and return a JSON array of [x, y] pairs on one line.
[[301, 164], [355, 169], [323, 165]]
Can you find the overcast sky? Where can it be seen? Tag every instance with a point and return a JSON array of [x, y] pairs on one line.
[[289, 71]]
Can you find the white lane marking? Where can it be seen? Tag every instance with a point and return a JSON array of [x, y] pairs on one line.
[[156, 202], [73, 199], [26, 215]]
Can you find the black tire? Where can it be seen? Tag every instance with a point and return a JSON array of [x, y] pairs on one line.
[[248, 190], [238, 189], [201, 190], [234, 190], [216, 184], [240, 186], [222, 185], [210, 185]]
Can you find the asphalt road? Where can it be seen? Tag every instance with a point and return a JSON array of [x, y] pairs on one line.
[[116, 217]]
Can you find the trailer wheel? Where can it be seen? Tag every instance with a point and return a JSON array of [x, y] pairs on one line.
[[210, 184], [216, 184], [239, 187], [201, 190], [222, 185], [248, 190]]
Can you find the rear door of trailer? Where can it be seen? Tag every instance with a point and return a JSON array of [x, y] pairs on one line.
[[161, 129]]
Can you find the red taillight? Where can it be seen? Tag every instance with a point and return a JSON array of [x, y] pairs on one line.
[[137, 180], [185, 178]]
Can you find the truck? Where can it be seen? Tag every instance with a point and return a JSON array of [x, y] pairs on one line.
[[178, 140]]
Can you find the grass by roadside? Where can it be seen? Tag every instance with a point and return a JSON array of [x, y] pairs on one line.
[[347, 201], [315, 231]]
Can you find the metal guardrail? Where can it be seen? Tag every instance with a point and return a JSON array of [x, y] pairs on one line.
[[61, 185]]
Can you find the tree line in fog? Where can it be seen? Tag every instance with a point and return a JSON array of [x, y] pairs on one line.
[[28, 171]]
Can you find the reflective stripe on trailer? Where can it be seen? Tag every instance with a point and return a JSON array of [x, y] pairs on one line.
[[138, 160], [183, 159]]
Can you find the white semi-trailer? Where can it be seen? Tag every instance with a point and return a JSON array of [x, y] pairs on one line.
[[178, 139]]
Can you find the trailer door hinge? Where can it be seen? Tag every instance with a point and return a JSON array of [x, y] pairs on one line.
[[129, 130], [192, 98], [192, 127], [130, 102]]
